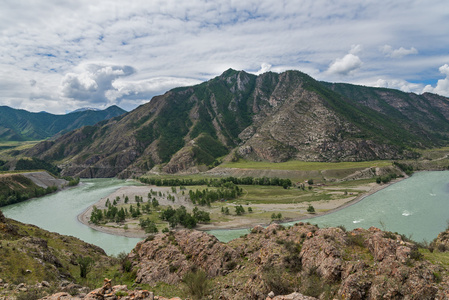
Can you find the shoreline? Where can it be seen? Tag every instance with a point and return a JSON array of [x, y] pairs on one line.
[[84, 217]]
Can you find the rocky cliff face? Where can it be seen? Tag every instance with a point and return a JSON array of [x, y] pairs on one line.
[[272, 117], [169, 257], [324, 263]]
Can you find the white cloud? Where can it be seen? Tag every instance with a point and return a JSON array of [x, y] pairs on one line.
[[398, 53], [145, 89], [93, 82], [442, 87], [47, 41], [264, 67], [398, 84], [348, 64]]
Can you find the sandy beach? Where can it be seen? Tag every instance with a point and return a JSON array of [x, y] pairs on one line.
[[300, 209]]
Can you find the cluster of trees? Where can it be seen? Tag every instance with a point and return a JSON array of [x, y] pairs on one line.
[[386, 178], [37, 164], [72, 181], [114, 214], [206, 197], [277, 216], [218, 181], [148, 225], [407, 169], [18, 188], [239, 210], [3, 166], [181, 216]]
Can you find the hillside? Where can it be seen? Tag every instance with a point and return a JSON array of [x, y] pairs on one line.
[[270, 117], [18, 187], [303, 261], [35, 262], [21, 125], [326, 263]]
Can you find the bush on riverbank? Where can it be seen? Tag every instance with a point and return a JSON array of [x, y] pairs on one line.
[[386, 178]]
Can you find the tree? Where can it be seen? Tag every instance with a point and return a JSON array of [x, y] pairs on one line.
[[121, 215], [310, 181], [200, 215], [155, 203], [310, 209], [239, 210], [85, 264]]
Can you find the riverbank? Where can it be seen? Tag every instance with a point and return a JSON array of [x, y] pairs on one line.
[[297, 210]]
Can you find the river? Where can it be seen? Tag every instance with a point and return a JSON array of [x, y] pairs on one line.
[[58, 213], [417, 207]]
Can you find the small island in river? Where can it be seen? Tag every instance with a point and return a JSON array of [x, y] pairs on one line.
[[136, 211]]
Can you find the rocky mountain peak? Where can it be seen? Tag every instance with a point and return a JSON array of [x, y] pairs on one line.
[[272, 117]]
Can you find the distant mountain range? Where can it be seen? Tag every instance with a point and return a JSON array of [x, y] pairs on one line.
[[272, 117], [85, 109], [22, 125]]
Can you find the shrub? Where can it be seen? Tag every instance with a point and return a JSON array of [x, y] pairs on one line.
[[311, 209], [278, 281], [342, 227], [442, 248], [390, 235], [230, 265], [355, 240], [415, 254], [197, 283], [438, 277], [31, 294], [85, 264]]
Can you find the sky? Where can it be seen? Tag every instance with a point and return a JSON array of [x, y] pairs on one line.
[[58, 56]]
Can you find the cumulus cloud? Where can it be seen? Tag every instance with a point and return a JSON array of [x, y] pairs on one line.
[[348, 64], [104, 85], [398, 53], [398, 84], [264, 67], [93, 82], [199, 39], [145, 89], [442, 87]]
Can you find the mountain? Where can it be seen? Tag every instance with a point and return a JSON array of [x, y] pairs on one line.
[[272, 117], [84, 109], [22, 125]]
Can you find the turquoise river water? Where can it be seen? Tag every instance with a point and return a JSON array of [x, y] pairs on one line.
[[417, 207], [58, 213]]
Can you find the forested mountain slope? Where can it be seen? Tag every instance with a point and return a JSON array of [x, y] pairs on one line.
[[273, 117], [22, 125]]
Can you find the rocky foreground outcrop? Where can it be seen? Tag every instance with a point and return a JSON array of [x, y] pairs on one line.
[[324, 263], [302, 262]]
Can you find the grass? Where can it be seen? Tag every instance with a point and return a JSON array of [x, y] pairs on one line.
[[21, 171], [303, 165], [435, 257], [6, 147], [254, 194]]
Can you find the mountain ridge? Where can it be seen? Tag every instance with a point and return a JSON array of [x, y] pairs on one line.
[[22, 125], [272, 117]]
